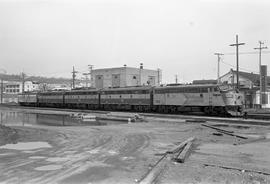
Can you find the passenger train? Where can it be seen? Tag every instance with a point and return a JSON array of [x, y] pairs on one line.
[[208, 99]]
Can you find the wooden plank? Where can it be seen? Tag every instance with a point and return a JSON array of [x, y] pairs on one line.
[[219, 129], [183, 155], [235, 135], [238, 169], [181, 146], [225, 131], [154, 172]]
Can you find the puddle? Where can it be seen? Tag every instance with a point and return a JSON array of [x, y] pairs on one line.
[[97, 164], [32, 151], [57, 159], [254, 136], [69, 152], [112, 152], [49, 167], [26, 146], [37, 157], [7, 154], [127, 158], [19, 117], [95, 151]]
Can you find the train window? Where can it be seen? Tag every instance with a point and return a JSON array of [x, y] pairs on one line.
[[203, 90]]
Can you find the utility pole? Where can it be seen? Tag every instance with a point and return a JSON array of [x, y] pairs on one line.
[[140, 72], [237, 60], [90, 67], [73, 77], [260, 48], [176, 79], [23, 81], [218, 55], [2, 90], [2, 86], [158, 78]]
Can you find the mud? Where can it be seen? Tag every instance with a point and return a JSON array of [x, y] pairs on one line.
[[122, 153]]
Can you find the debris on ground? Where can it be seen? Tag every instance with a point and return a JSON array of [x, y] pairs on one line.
[[238, 169], [231, 133]]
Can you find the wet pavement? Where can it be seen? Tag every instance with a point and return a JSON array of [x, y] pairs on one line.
[[20, 117]]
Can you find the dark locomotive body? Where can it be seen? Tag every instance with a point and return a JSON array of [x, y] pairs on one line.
[[209, 99]]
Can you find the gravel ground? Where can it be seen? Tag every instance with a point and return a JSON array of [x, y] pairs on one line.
[[123, 153]]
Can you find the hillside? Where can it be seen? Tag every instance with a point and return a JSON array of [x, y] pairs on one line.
[[51, 80]]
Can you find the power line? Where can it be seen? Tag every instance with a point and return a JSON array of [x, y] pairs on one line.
[[246, 53], [243, 69]]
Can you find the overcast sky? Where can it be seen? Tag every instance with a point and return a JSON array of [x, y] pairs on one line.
[[48, 37]]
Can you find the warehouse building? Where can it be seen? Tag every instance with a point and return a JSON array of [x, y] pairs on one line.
[[249, 84], [124, 77]]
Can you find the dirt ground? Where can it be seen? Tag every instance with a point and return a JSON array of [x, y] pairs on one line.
[[123, 153]]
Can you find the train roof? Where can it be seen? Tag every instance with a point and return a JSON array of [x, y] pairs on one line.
[[128, 88], [82, 90], [188, 86], [52, 92]]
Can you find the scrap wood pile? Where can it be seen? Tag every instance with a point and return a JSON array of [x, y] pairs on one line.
[[178, 154]]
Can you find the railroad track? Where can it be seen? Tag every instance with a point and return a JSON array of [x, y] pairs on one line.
[[251, 118]]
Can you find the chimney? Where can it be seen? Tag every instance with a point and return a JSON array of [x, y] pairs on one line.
[[141, 65]]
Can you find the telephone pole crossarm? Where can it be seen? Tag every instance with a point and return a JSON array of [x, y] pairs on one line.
[[237, 59]]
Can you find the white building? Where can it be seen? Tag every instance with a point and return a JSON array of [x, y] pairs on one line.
[[124, 76], [14, 87]]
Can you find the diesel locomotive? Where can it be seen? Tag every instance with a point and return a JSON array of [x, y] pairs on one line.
[[208, 99]]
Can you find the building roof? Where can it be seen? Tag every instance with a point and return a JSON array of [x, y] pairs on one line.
[[120, 68], [255, 78], [204, 81]]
